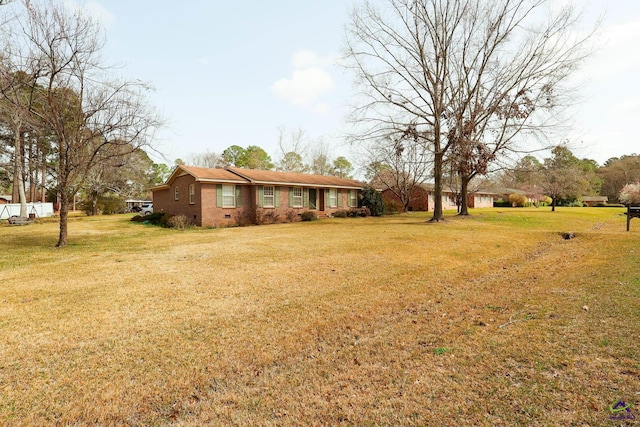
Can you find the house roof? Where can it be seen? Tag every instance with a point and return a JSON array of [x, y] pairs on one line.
[[254, 176], [291, 178], [5, 197], [510, 191], [217, 175], [595, 198]]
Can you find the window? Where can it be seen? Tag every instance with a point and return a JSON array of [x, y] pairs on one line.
[[297, 197], [333, 198], [353, 198], [176, 193], [192, 194], [268, 197], [228, 196]]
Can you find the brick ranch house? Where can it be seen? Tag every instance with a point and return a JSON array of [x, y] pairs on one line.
[[422, 198], [221, 197]]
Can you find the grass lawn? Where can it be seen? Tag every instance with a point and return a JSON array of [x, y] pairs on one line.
[[491, 320]]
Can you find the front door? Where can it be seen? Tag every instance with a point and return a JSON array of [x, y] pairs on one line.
[[321, 199]]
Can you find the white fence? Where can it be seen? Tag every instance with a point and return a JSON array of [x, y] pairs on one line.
[[38, 209]]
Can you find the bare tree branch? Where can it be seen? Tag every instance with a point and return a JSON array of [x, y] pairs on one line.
[[460, 73]]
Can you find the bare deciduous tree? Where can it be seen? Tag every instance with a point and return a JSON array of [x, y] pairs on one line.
[[319, 160], [403, 164], [83, 107], [457, 71], [292, 147], [125, 173], [206, 160]]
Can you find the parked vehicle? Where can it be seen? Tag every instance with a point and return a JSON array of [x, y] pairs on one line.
[[147, 209]]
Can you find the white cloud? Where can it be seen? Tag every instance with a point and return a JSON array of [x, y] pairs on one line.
[[309, 81]]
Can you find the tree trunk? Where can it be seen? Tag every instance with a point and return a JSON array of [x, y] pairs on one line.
[[33, 172], [44, 180], [553, 204], [18, 175], [437, 190], [464, 196], [94, 203], [64, 216], [63, 193]]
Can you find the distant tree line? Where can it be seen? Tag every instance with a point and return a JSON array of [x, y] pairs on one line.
[[565, 177], [297, 154]]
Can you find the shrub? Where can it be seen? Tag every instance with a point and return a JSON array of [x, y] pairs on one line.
[[245, 217], [630, 194], [178, 221], [392, 206], [517, 200], [156, 218], [545, 200], [267, 217], [341, 213], [372, 200], [502, 204], [309, 216], [572, 203], [137, 218], [291, 215], [364, 211]]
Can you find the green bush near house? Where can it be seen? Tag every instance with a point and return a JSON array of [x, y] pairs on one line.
[[372, 200], [155, 218]]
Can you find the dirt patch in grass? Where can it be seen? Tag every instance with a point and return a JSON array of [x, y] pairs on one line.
[[367, 321]]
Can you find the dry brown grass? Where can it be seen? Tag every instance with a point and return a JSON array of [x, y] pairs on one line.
[[365, 321]]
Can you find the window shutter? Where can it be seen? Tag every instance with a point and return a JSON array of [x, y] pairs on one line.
[[305, 196], [326, 197], [260, 196], [290, 197], [339, 197], [276, 196], [238, 196], [218, 195]]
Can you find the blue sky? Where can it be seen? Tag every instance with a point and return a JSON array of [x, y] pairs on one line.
[[232, 72]]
